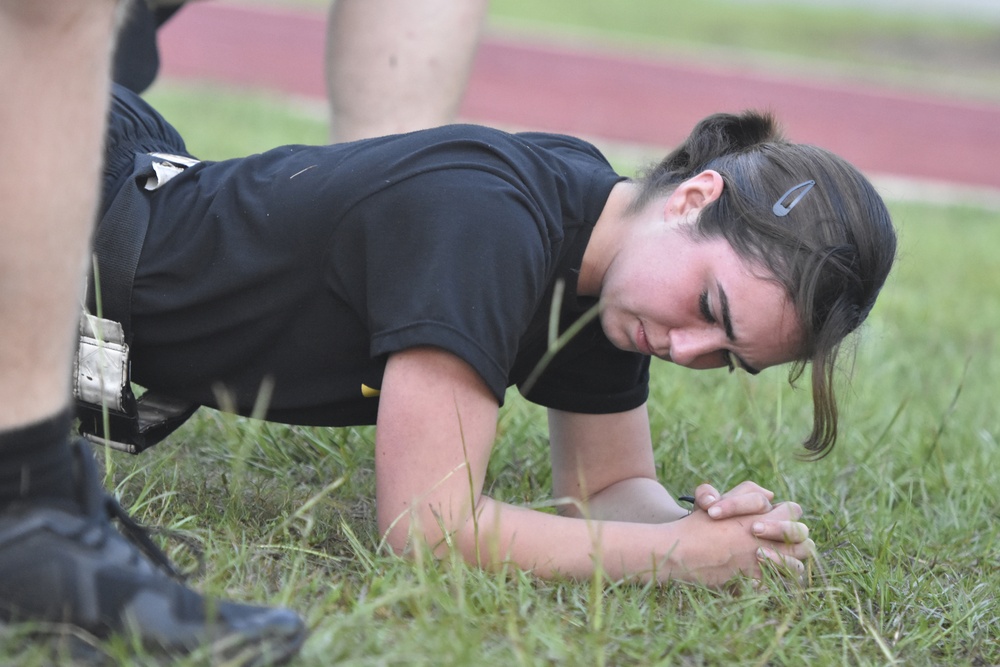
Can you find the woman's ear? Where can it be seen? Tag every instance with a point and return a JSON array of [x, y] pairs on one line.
[[703, 189], [694, 194]]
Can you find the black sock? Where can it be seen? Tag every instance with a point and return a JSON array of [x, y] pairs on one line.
[[36, 461]]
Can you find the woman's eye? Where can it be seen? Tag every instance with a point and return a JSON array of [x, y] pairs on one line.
[[706, 312]]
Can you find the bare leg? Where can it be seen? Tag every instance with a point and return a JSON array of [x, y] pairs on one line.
[[398, 65], [54, 59], [61, 559]]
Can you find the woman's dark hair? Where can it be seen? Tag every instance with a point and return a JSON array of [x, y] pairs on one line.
[[831, 250]]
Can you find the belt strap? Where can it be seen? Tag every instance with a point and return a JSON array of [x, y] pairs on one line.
[[121, 234], [117, 245], [102, 385]]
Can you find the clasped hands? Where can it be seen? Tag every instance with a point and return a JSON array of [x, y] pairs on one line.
[[744, 531]]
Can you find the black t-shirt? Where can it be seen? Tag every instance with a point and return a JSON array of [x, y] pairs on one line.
[[308, 266]]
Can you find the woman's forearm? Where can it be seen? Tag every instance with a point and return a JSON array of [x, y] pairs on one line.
[[695, 548], [553, 546]]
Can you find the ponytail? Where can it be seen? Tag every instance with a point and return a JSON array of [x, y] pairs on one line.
[[715, 137]]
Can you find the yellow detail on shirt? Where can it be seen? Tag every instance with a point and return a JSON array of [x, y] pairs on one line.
[[368, 392]]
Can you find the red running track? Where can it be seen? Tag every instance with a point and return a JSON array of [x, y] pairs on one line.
[[605, 95]]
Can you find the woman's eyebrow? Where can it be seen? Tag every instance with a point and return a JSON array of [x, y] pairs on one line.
[[727, 323]]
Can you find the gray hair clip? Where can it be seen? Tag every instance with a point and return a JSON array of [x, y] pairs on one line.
[[782, 210]]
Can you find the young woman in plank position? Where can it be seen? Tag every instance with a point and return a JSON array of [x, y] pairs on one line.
[[407, 281]]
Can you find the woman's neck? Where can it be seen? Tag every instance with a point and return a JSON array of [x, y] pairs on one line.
[[605, 239]]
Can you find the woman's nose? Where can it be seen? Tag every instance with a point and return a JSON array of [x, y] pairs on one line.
[[695, 348]]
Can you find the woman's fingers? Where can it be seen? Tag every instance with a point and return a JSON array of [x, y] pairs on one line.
[[705, 496], [785, 543], [749, 487], [741, 505], [787, 565], [743, 499], [783, 532]]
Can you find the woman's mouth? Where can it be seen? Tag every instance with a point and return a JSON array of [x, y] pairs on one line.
[[641, 342]]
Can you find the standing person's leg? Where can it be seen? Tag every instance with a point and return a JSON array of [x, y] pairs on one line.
[[54, 78], [60, 558], [398, 65]]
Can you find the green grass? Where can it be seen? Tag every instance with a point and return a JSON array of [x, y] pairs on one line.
[[905, 511], [216, 124]]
